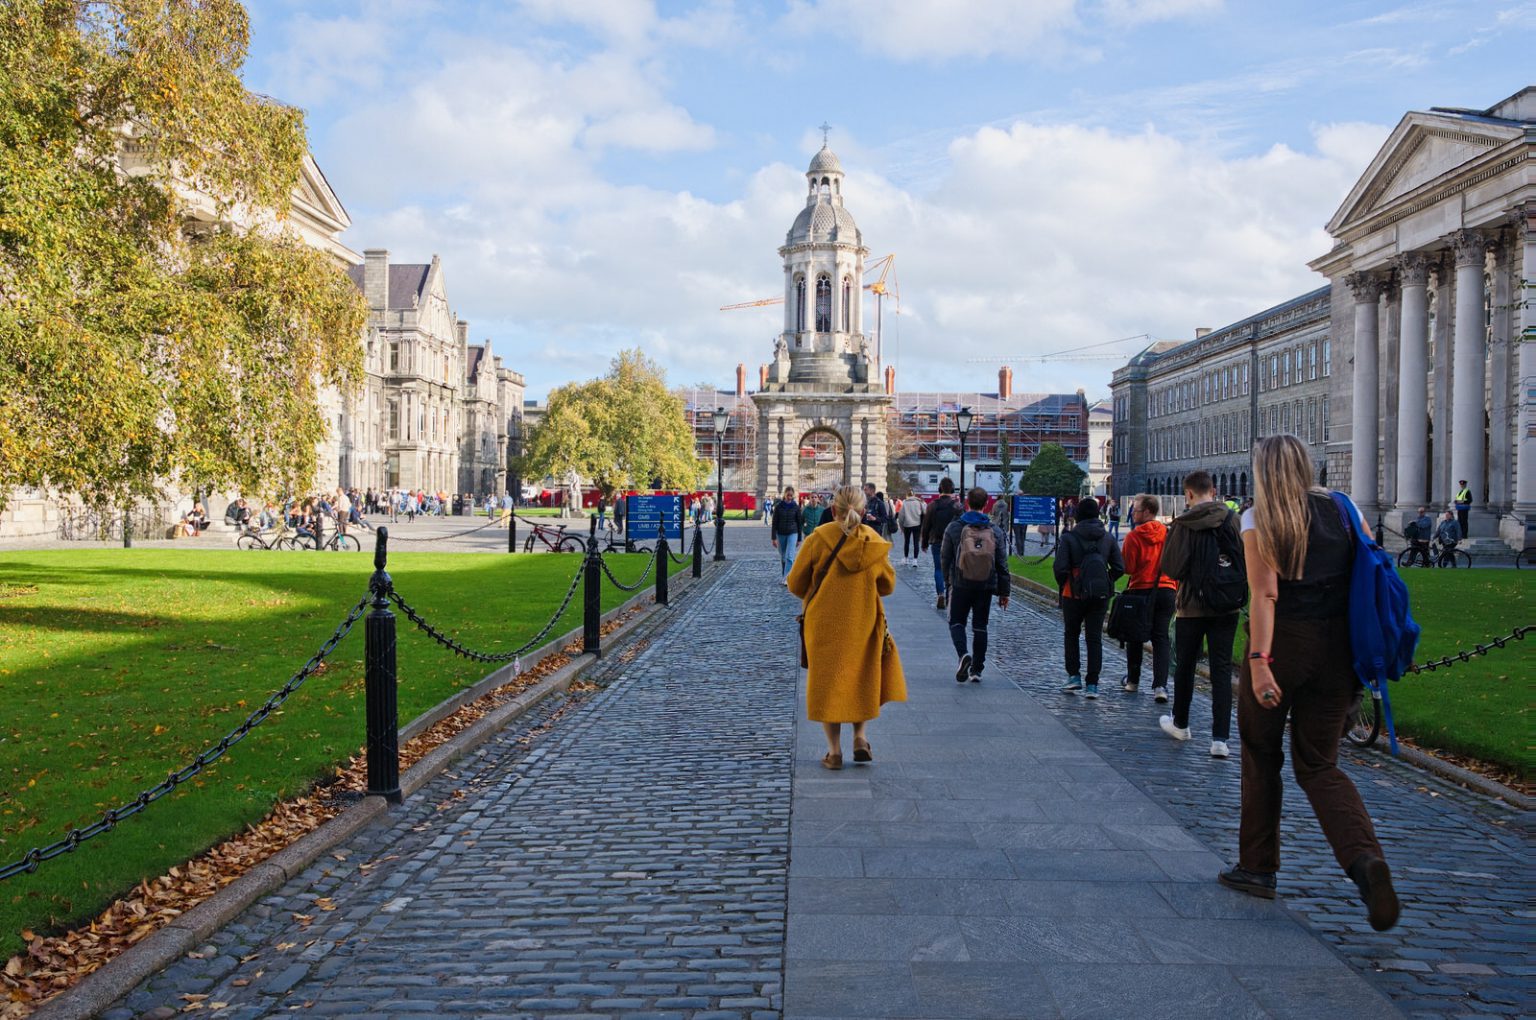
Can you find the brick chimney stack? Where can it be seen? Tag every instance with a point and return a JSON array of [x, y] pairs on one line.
[[1004, 383], [376, 277], [762, 377], [890, 380], [741, 380]]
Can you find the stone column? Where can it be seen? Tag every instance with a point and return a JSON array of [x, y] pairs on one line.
[[1365, 417], [1468, 374], [1389, 376], [1523, 330], [1440, 338], [1413, 382], [1501, 384]]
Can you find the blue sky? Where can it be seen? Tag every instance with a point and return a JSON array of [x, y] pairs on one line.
[[1050, 173]]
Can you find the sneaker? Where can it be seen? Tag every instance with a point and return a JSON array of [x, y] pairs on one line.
[[965, 668], [1254, 883], [1072, 686], [1374, 880], [975, 676], [1160, 695], [1176, 732], [1129, 687], [940, 603], [1092, 691], [1219, 749]]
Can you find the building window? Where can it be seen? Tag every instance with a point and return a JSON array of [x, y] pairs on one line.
[[1312, 418], [394, 356], [1324, 407], [1285, 417], [847, 304], [1312, 360], [800, 304], [394, 419], [1243, 370], [823, 303], [1285, 369], [1327, 361]]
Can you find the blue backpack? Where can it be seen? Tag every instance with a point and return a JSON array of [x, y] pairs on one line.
[[1382, 632]]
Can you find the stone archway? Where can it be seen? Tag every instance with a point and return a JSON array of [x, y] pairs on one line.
[[852, 424], [822, 461]]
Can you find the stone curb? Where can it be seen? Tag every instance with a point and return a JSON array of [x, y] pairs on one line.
[[1410, 756], [104, 986]]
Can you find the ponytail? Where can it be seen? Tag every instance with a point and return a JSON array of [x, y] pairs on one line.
[[848, 508]]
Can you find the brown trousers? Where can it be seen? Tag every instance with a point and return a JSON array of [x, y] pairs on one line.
[[1317, 685]]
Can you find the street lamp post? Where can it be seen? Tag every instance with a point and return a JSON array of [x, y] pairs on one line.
[[722, 422], [963, 425]]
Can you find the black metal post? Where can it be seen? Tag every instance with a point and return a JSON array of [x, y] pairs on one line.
[[698, 551], [592, 599], [963, 489], [512, 530], [661, 564], [381, 682], [720, 497]]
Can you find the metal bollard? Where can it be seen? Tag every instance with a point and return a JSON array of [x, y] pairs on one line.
[[698, 551], [592, 600], [720, 536], [381, 682], [662, 563], [512, 530]]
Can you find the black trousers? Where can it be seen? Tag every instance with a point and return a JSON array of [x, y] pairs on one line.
[[1217, 634], [1162, 642], [976, 603], [1462, 513], [911, 541], [1085, 616]]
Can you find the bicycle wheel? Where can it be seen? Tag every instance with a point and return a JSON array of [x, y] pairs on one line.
[[250, 542], [1526, 557], [1461, 559], [346, 543], [1405, 558], [528, 544], [1363, 725], [302, 542], [570, 543]]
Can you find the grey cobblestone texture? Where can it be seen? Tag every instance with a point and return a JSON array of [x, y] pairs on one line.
[[629, 862], [1462, 862]]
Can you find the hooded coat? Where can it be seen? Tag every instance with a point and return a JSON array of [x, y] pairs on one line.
[[1181, 548], [1143, 551], [853, 668]]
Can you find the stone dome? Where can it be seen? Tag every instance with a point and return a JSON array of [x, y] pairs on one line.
[[823, 221], [825, 161]]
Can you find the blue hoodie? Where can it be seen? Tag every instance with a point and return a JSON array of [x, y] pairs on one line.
[[1000, 583]]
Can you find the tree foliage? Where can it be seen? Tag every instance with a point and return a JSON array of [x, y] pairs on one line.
[[1052, 473], [158, 321], [1004, 462], [623, 430]]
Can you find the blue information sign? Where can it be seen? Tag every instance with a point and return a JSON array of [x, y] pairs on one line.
[[1034, 510], [644, 514]]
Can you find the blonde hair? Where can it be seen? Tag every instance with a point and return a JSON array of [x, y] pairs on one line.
[[848, 508], [1282, 480]]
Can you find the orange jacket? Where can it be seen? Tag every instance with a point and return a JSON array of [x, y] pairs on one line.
[[1143, 549]]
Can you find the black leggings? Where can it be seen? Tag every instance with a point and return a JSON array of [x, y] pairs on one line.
[[911, 541]]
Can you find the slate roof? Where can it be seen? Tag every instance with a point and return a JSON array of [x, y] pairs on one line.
[[472, 361], [406, 284]]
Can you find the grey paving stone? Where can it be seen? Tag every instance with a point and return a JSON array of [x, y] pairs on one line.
[[1165, 993], [980, 990], [875, 937]]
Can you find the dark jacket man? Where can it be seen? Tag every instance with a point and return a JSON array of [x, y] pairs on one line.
[[973, 599], [1180, 548]]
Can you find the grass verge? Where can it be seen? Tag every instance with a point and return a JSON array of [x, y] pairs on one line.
[[117, 666]]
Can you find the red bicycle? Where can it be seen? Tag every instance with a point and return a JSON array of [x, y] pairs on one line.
[[553, 538]]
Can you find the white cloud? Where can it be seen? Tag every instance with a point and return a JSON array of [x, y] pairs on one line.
[[935, 29], [1136, 12]]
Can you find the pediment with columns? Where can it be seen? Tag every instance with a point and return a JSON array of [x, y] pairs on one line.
[[1425, 154]]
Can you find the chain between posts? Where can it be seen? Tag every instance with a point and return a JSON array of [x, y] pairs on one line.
[[469, 653], [1450, 660], [492, 523], [644, 574], [109, 818]]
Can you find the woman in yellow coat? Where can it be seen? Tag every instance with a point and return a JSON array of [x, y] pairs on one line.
[[854, 667]]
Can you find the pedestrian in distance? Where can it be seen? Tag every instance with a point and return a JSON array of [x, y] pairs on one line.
[[1086, 566], [813, 514], [1463, 502], [911, 518], [1204, 554], [1300, 554], [876, 514], [1114, 519], [787, 522], [976, 565], [936, 520], [1449, 532], [853, 665], [1143, 552], [602, 510]]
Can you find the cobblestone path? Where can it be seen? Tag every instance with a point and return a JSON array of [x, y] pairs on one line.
[[629, 862], [1463, 862]]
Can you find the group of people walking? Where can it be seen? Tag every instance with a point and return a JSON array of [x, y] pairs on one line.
[[1287, 558]]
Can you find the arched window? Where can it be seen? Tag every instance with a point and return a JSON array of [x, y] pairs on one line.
[[847, 304], [823, 303], [800, 304]]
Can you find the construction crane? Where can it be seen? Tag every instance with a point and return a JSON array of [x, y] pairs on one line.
[[1073, 353]]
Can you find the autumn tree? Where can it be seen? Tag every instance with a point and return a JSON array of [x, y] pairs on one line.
[[623, 430], [1052, 473], [158, 319]]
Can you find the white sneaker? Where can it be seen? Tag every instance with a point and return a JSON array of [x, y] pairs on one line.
[[1219, 749], [1176, 732]]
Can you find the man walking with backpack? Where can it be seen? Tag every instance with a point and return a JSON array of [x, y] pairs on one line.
[[936, 521], [975, 561], [1204, 554], [1086, 566]]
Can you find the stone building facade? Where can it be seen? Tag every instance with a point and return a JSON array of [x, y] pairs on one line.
[[823, 386], [1199, 405], [1434, 254]]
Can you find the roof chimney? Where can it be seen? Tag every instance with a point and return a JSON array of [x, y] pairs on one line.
[[762, 377], [376, 277], [1004, 383], [890, 380], [1202, 331], [741, 380]]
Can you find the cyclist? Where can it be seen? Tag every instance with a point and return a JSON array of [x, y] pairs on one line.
[[1419, 532], [1449, 534]]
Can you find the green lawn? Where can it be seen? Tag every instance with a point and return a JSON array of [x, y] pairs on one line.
[[117, 666], [1480, 708]]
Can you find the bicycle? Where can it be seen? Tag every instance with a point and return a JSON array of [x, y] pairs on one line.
[[1526, 557], [1442, 556], [553, 538], [1413, 553], [1363, 723]]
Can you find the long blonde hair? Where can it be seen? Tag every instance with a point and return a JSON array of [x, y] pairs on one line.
[[848, 508], [1282, 479]]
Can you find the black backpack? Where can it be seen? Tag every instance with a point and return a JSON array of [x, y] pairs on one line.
[[1090, 579], [1220, 576]]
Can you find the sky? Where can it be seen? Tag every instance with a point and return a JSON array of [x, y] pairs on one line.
[[1050, 174]]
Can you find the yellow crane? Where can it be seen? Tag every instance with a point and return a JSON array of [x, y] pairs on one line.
[[885, 285]]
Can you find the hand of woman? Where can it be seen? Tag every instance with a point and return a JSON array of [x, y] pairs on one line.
[[1265, 690]]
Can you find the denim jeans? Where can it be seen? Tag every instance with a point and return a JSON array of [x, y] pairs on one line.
[[1217, 633], [787, 544], [1085, 616], [938, 568], [976, 603]]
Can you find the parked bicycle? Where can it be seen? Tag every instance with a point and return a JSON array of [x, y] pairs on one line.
[[1363, 723], [1437, 555], [554, 538]]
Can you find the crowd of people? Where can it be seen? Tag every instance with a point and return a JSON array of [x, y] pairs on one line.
[[1286, 556]]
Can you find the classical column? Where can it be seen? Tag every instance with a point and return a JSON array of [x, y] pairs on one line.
[[1468, 370], [1524, 333], [1413, 382], [1389, 378], [1501, 381], [1365, 417]]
